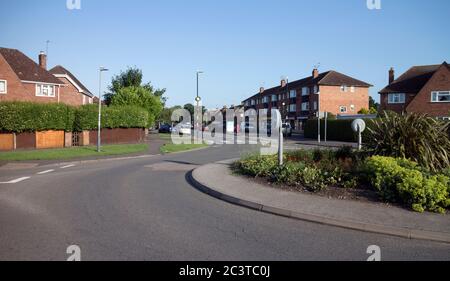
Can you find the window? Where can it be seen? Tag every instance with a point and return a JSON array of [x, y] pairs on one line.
[[343, 109], [344, 88], [352, 107], [3, 87], [305, 91], [45, 90], [316, 89], [352, 89], [396, 98], [274, 97], [440, 96], [315, 105], [253, 102], [305, 106], [266, 100], [292, 94], [293, 108]]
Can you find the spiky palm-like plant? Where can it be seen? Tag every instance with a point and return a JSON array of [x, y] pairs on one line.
[[413, 136]]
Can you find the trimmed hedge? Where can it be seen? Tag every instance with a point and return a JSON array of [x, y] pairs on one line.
[[337, 130], [28, 117], [86, 117], [21, 117]]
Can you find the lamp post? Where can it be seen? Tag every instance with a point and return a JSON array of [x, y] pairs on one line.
[[198, 99], [318, 117], [99, 143]]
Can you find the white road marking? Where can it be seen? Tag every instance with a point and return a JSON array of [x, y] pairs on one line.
[[15, 181], [45, 172], [68, 166]]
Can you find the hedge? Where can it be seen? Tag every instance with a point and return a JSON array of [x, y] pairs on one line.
[[21, 117], [337, 130], [86, 117]]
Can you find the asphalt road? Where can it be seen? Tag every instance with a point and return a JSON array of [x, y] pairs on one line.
[[145, 209]]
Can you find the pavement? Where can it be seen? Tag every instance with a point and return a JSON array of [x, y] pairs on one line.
[[217, 180], [146, 209]]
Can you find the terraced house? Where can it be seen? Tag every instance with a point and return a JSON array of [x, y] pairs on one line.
[[301, 100], [22, 79], [421, 89]]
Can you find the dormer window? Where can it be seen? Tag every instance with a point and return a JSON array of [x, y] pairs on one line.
[[43, 90], [3, 86]]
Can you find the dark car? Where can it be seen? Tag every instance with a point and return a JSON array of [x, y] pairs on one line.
[[165, 129]]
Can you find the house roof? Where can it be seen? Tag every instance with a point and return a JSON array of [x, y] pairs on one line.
[[329, 78], [413, 80], [25, 68], [60, 70]]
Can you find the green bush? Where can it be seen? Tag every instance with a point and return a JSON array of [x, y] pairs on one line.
[[86, 117], [417, 137], [29, 117], [257, 166], [400, 180]]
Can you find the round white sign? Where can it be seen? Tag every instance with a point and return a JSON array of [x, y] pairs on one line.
[[358, 124]]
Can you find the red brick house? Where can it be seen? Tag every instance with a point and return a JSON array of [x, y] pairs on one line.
[[339, 94], [21, 79], [421, 89]]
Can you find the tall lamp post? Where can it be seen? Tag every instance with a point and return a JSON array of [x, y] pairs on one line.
[[198, 99], [318, 117], [99, 143]]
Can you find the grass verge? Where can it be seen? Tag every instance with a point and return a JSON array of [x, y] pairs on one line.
[[71, 153]]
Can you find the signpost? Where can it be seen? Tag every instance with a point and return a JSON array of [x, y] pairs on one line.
[[358, 126]]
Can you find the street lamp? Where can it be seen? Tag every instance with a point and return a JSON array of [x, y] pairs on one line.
[[102, 69], [198, 99], [318, 117]]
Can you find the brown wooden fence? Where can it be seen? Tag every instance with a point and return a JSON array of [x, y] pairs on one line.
[[6, 141], [50, 139]]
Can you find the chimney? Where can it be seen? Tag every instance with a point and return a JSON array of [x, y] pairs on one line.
[[43, 60], [261, 90], [283, 83], [391, 75], [315, 73]]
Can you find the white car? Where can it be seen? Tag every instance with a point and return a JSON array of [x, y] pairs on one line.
[[186, 130]]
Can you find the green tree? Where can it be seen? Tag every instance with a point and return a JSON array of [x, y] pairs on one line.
[[132, 77], [373, 104], [139, 96], [166, 114]]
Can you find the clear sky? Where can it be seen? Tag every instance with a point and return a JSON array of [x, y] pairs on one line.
[[240, 44]]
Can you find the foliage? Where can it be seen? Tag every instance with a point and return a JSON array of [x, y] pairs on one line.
[[165, 116], [29, 117], [139, 96], [417, 137], [401, 180], [86, 117]]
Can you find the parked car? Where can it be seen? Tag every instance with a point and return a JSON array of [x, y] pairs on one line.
[[287, 130], [186, 129], [165, 129]]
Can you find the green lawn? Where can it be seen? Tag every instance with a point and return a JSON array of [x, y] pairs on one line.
[[70, 153], [171, 148]]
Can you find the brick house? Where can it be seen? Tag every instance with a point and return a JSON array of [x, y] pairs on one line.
[[21, 79], [421, 89], [299, 101]]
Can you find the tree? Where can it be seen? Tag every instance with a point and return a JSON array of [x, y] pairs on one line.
[[166, 115], [373, 104], [139, 96], [132, 77]]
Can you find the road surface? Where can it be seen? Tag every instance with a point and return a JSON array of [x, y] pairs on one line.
[[145, 209]]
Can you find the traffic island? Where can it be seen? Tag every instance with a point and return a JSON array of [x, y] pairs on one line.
[[217, 180]]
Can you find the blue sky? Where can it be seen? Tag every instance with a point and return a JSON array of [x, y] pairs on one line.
[[240, 44]]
